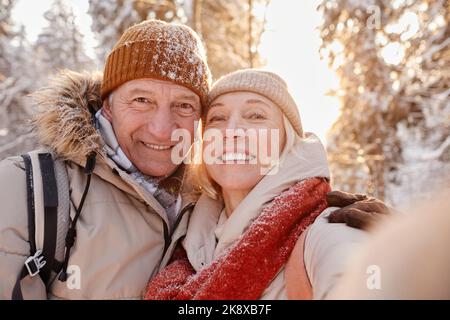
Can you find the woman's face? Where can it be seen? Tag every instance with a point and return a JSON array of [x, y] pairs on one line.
[[244, 135]]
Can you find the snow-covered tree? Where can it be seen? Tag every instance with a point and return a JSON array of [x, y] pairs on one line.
[[393, 59], [230, 29], [60, 44], [6, 35], [16, 81], [110, 18]]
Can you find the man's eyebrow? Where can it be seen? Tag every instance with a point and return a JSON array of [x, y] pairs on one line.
[[141, 91], [188, 97]]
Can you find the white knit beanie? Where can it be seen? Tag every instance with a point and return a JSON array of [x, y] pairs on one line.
[[265, 83]]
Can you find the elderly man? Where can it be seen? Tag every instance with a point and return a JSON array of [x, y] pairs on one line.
[[128, 200], [156, 79]]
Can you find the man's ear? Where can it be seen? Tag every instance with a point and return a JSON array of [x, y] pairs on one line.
[[106, 110]]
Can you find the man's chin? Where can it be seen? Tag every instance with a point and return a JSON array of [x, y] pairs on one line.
[[157, 171]]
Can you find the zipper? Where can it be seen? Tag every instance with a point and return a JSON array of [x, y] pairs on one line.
[[166, 238], [168, 235], [180, 216]]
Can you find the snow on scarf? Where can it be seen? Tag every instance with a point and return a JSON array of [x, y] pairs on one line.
[[245, 269]]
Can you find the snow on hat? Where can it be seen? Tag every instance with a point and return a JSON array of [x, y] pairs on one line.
[[161, 50], [265, 83]]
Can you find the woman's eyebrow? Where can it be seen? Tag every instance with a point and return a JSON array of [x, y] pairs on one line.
[[217, 104], [257, 101]]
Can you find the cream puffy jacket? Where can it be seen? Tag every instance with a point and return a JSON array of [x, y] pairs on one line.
[[321, 255], [121, 239]]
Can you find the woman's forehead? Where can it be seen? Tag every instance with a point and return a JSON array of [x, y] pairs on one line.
[[243, 98]]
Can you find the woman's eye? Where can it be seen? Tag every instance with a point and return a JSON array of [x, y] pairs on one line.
[[215, 119], [256, 116]]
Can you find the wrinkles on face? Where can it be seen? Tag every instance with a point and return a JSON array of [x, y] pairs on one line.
[[144, 113]]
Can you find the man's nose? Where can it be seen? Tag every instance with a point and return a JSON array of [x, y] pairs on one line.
[[161, 124]]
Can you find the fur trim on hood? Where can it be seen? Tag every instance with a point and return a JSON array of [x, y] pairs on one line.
[[63, 122]]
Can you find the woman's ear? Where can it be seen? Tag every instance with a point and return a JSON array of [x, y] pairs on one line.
[[106, 110]]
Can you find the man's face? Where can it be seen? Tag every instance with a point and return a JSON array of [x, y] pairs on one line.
[[144, 113]]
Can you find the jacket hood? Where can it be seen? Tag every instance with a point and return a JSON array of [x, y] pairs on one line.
[[63, 122]]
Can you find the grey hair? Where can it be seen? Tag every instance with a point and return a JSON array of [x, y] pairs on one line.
[[110, 98]]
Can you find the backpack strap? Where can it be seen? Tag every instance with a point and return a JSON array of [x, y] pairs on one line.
[[34, 261], [62, 181], [48, 217], [50, 193]]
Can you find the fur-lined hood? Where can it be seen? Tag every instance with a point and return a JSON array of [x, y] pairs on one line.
[[63, 122]]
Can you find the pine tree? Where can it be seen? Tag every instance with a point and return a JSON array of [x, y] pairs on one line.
[[60, 44], [393, 60]]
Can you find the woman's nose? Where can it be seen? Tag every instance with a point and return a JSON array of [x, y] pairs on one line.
[[234, 129]]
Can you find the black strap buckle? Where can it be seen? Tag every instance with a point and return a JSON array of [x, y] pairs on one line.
[[35, 263]]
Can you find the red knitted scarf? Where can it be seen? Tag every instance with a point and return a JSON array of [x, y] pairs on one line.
[[247, 267]]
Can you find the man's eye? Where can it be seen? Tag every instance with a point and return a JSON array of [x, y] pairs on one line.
[[186, 108], [142, 100]]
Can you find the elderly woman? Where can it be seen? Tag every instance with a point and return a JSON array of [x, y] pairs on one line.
[[260, 228]]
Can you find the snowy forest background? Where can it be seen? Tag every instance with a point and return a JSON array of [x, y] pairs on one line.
[[392, 59]]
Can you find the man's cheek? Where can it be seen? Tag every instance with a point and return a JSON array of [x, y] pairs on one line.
[[124, 137], [127, 126], [190, 126]]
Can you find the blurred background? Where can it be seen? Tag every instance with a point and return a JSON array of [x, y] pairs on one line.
[[371, 77]]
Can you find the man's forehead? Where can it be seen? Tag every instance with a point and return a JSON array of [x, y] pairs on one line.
[[153, 85]]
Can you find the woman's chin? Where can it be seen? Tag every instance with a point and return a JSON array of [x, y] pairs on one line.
[[234, 177]]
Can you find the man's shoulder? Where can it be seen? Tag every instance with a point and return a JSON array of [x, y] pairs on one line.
[[12, 163], [13, 185], [13, 206], [11, 168]]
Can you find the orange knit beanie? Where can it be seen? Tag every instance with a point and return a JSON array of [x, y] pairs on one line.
[[161, 50]]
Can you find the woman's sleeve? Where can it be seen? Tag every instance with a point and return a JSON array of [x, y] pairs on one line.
[[329, 249]]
